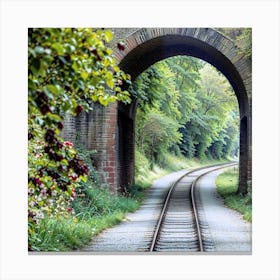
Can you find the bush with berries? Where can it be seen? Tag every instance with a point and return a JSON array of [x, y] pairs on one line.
[[68, 70]]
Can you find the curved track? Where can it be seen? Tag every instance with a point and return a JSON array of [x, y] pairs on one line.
[[180, 226]]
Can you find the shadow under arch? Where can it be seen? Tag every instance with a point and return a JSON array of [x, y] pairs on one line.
[[149, 51]]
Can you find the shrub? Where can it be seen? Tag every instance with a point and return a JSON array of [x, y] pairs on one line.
[[68, 70]]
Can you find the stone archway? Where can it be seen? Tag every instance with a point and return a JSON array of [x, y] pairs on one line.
[[145, 47]]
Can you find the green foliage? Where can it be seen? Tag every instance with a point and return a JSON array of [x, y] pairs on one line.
[[94, 201], [142, 164], [185, 106], [227, 182], [58, 234], [242, 37], [158, 133], [95, 209], [68, 70], [147, 173], [227, 186]]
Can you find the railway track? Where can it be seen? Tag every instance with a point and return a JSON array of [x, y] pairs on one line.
[[181, 225]]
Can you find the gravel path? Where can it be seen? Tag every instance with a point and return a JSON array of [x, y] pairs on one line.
[[135, 233], [229, 232]]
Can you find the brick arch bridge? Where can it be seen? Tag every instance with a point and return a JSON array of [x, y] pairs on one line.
[[111, 130]]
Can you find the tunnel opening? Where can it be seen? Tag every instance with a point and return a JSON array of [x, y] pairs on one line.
[[153, 50]]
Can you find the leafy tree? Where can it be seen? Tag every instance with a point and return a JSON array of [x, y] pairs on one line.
[[158, 133], [196, 98], [216, 99]]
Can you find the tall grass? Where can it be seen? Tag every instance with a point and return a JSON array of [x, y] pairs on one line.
[[72, 233], [96, 211], [147, 172], [227, 185]]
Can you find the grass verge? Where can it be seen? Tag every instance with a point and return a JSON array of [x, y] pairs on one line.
[[227, 184], [96, 210], [146, 173]]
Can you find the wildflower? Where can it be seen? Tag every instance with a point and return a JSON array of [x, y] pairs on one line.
[[50, 201], [31, 203], [69, 144], [40, 215], [44, 192], [73, 194], [54, 193], [73, 176], [37, 181], [31, 191]]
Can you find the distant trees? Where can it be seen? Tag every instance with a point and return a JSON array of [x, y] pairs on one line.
[[185, 106]]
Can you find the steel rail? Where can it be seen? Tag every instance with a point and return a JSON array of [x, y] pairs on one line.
[[167, 199], [194, 207]]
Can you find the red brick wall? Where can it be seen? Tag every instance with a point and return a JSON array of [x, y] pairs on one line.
[[96, 130]]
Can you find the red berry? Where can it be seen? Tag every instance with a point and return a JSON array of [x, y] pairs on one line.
[[45, 109], [93, 51], [79, 109], [60, 125], [121, 46], [50, 136]]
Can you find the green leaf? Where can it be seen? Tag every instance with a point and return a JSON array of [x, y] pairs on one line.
[[84, 75], [54, 117], [31, 52], [81, 85], [94, 97], [95, 80], [70, 48], [108, 35], [39, 121], [39, 49], [52, 90], [75, 66], [66, 106], [35, 67], [112, 98], [103, 101], [109, 80], [83, 178], [59, 48]]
